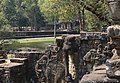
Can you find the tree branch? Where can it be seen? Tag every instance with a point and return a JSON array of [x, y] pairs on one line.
[[93, 10]]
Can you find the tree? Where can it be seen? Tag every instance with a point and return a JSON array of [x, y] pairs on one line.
[[4, 24], [72, 9], [33, 13], [23, 13]]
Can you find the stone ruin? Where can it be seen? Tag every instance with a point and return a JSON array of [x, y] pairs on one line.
[[114, 37], [64, 62], [109, 72], [49, 68], [67, 54], [32, 55], [13, 70], [21, 67], [77, 46]]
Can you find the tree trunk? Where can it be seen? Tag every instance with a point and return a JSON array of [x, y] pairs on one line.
[[83, 19], [80, 19]]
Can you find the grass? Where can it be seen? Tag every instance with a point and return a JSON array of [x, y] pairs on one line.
[[40, 43], [30, 40]]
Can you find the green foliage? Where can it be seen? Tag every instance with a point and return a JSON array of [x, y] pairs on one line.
[[4, 24], [21, 13], [59, 9], [92, 22], [76, 28], [33, 13], [64, 10]]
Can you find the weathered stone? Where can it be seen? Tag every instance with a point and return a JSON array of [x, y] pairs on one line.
[[98, 76], [49, 68], [3, 54], [114, 7], [113, 68], [13, 72], [115, 29], [32, 54]]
